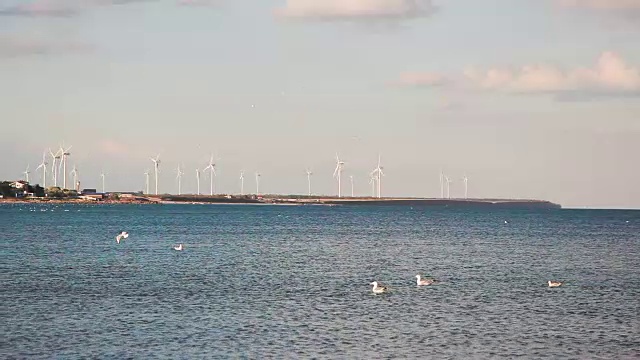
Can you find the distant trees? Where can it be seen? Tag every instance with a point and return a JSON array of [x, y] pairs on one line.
[[6, 190], [37, 190], [9, 189], [54, 192]]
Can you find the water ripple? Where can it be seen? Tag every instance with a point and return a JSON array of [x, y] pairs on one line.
[[292, 282]]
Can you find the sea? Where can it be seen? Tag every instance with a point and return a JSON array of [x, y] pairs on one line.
[[293, 282]]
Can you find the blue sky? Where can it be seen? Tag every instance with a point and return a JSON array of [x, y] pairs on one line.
[[528, 98]]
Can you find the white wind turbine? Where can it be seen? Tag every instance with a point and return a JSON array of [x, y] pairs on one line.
[[448, 181], [64, 153], [55, 158], [466, 181], [351, 178], [212, 172], [198, 179], [74, 172], [258, 183], [26, 173], [378, 173], [309, 173], [146, 181], [179, 177], [337, 173], [242, 182], [156, 163], [372, 181], [102, 176], [43, 165]]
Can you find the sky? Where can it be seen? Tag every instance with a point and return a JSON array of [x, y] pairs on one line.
[[531, 99]]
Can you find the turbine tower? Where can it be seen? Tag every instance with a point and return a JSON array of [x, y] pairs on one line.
[[74, 172], [102, 176], [448, 181], [372, 181], [156, 163], [43, 165], [337, 174], [242, 182], [351, 178], [146, 181], [64, 153], [258, 183], [212, 172], [309, 173], [26, 173], [198, 179], [179, 177], [466, 181], [55, 158], [377, 172]]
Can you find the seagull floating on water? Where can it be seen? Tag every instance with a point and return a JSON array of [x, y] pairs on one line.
[[555, 283], [378, 289], [427, 281], [122, 235], [178, 247]]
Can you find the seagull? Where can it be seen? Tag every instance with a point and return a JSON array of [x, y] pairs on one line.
[[378, 289], [122, 235], [427, 281], [555, 283], [178, 247]]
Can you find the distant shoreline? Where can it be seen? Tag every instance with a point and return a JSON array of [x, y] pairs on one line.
[[296, 200]]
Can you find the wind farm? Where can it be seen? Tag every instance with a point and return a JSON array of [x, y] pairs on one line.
[[355, 195]]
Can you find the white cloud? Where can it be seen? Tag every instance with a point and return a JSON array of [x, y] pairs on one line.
[[602, 4], [610, 75], [355, 9], [58, 8]]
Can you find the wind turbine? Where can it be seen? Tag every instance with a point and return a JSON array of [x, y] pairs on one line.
[[258, 183], [146, 181], [372, 181], [179, 177], [64, 153], [466, 181], [198, 179], [43, 165], [102, 176], [448, 181], [337, 174], [212, 171], [26, 173], [242, 182], [74, 172], [378, 173], [351, 178], [156, 163], [55, 158], [309, 173]]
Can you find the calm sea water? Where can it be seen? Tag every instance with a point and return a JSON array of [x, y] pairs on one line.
[[293, 282]]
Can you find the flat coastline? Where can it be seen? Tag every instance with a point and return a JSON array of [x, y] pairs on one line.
[[294, 200]]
